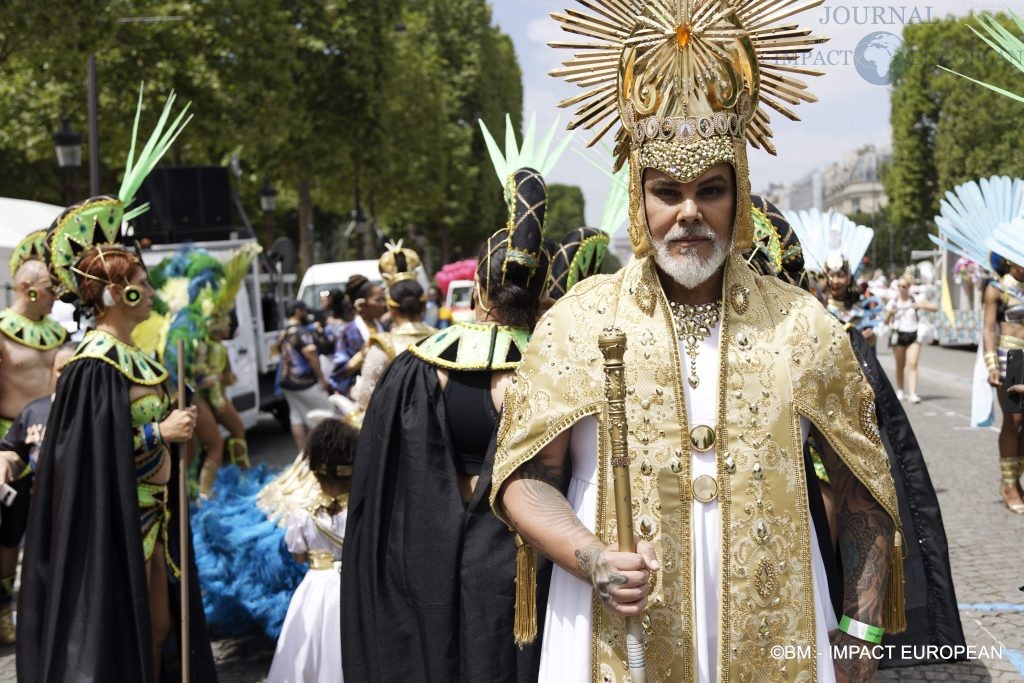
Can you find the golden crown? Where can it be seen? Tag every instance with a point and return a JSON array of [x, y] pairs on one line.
[[398, 263], [686, 70]]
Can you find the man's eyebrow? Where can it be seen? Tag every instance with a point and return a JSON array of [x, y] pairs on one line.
[[712, 179]]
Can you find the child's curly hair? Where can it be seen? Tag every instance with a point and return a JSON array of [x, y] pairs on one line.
[[331, 450]]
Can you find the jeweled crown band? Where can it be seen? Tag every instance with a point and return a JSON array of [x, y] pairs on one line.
[[683, 130]]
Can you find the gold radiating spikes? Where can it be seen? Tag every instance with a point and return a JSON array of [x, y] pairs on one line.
[[802, 70], [779, 13], [678, 44]]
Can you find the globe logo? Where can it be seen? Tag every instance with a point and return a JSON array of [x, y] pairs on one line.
[[878, 58]]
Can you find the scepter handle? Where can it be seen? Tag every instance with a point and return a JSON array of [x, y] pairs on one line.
[[612, 343]]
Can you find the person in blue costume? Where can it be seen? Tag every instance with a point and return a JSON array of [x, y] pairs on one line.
[[427, 590]]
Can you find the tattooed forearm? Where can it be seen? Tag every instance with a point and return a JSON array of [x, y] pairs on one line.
[[591, 564], [865, 545]]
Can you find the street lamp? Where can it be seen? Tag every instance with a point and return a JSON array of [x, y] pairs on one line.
[[67, 143], [268, 197]]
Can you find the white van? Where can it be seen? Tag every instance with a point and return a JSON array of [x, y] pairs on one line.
[[323, 277]]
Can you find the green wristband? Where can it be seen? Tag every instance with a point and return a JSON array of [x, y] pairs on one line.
[[860, 630]]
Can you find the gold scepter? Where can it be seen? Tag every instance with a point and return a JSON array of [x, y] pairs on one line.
[[612, 343], [183, 558]]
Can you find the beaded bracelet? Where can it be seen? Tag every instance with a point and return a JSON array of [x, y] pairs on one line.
[[860, 630], [152, 436]]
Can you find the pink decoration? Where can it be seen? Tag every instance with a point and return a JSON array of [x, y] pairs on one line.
[[460, 270]]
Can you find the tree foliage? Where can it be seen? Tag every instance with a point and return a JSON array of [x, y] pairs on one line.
[[947, 130], [565, 210], [339, 104]]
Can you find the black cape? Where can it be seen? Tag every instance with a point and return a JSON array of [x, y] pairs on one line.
[[83, 607], [428, 583], [932, 614]]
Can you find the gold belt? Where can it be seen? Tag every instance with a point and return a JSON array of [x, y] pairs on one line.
[[1008, 342], [320, 559]]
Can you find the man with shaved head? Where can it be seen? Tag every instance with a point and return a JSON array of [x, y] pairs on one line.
[[29, 339]]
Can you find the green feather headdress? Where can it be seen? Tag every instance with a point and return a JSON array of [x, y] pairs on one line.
[[1006, 45], [98, 220]]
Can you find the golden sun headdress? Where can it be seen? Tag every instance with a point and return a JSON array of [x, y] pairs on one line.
[[689, 82]]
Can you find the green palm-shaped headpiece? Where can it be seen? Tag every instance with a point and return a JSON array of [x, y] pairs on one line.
[[98, 220]]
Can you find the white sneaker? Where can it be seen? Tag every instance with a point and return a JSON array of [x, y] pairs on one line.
[[899, 394], [914, 398]]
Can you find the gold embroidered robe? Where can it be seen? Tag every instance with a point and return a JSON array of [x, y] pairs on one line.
[[782, 356]]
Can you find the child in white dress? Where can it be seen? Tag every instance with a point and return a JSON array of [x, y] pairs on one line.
[[309, 648]]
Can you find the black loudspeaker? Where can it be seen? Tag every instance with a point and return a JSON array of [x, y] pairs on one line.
[[186, 203]]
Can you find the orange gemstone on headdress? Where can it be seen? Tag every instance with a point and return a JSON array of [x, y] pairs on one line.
[[683, 32]]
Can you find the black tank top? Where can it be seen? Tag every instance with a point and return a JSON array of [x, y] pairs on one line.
[[472, 418]]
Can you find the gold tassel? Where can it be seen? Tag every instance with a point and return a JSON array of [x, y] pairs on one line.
[[525, 627], [894, 618]]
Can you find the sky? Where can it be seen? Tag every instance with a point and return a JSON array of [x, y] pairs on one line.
[[850, 113]]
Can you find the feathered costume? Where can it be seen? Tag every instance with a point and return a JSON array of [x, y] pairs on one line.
[[199, 290], [984, 221], [83, 610]]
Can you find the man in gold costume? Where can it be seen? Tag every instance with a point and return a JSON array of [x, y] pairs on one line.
[[727, 373]]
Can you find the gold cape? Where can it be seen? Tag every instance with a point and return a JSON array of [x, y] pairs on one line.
[[782, 356]]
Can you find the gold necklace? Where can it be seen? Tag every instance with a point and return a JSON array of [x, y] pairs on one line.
[[693, 324]]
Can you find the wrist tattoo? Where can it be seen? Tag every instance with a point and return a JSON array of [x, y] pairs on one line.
[[591, 563]]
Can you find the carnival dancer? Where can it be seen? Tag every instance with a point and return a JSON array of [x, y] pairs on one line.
[[970, 220], [101, 573], [428, 570], [28, 343], [406, 305], [308, 649], [834, 246], [726, 373], [1003, 331]]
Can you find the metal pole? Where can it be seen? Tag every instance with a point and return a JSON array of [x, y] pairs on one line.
[[183, 529], [94, 128]]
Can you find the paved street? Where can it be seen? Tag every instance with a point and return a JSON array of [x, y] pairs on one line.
[[986, 541]]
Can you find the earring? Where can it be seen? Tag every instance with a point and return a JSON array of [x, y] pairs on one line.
[[33, 295], [132, 295]]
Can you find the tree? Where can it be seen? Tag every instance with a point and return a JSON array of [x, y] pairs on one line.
[[565, 210], [947, 130], [342, 105]]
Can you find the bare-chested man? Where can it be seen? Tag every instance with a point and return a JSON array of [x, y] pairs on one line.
[[29, 339]]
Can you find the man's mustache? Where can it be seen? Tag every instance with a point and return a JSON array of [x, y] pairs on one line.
[[691, 232]]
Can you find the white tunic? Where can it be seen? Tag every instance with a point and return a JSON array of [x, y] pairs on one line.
[[566, 651], [309, 647]]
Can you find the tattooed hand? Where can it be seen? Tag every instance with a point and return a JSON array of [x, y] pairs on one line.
[[621, 580], [543, 517], [855, 669]]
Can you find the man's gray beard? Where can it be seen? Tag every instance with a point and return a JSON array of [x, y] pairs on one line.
[[688, 269]]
